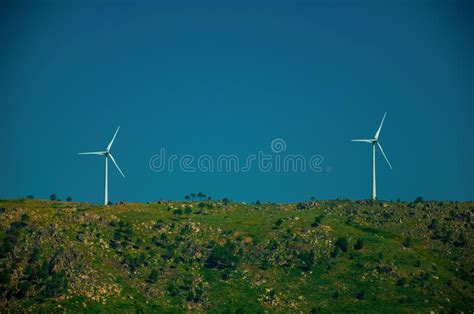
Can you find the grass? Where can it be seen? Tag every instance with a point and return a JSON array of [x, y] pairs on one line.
[[105, 255]]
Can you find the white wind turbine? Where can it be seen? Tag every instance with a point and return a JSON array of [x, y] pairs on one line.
[[374, 141], [107, 154]]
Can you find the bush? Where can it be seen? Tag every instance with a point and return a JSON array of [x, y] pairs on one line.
[[433, 225], [225, 201], [360, 295], [278, 222], [418, 200], [342, 244], [177, 212], [317, 221], [222, 257], [30, 197], [335, 252], [306, 260], [25, 218], [5, 276], [52, 197], [188, 210], [408, 242], [461, 241], [300, 206], [359, 244], [153, 277], [401, 282], [69, 199]]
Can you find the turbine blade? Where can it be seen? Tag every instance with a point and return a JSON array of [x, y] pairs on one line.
[[367, 141], [113, 160], [380, 127], [113, 138], [381, 149], [93, 153]]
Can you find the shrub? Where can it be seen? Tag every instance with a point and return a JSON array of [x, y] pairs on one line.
[[30, 197], [133, 261], [177, 212], [153, 277], [188, 210], [278, 222], [52, 197], [317, 221], [408, 242], [306, 260], [433, 225], [342, 244], [300, 206], [461, 241], [25, 218], [69, 199], [360, 295], [222, 257], [418, 200], [225, 201], [5, 276], [401, 281], [335, 252], [359, 244]]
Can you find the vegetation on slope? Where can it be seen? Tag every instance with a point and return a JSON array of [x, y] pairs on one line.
[[218, 256]]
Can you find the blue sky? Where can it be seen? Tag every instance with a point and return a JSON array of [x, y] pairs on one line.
[[228, 78]]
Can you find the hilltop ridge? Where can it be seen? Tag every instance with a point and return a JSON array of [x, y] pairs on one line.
[[215, 256]]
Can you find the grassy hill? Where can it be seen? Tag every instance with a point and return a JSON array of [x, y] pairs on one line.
[[214, 256]]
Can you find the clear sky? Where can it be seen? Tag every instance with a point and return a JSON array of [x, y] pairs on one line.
[[198, 77]]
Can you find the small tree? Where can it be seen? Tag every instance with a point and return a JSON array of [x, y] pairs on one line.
[[335, 252], [153, 277], [52, 197], [359, 244], [222, 257], [201, 195], [401, 281], [187, 197], [317, 221], [69, 199], [278, 222], [419, 199], [30, 197], [342, 244], [25, 218], [306, 260], [408, 242], [461, 241]]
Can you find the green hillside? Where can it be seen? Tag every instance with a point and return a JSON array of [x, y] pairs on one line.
[[219, 256]]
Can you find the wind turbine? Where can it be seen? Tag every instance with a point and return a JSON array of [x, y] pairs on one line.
[[374, 141], [107, 154]]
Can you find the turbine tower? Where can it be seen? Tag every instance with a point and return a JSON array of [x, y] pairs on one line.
[[375, 141], [107, 154]]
